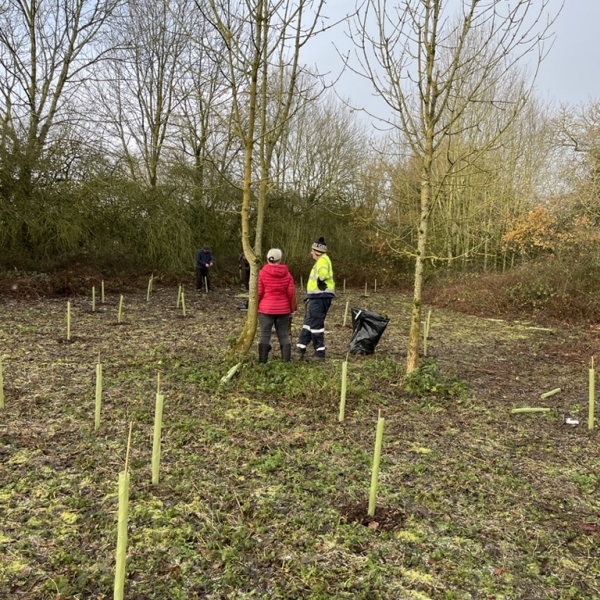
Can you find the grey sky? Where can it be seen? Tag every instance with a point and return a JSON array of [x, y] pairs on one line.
[[570, 73]]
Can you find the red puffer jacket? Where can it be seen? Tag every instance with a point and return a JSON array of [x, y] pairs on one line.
[[276, 292]]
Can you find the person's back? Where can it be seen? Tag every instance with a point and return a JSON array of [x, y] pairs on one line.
[[276, 299], [275, 289]]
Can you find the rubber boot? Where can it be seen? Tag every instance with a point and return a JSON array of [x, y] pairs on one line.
[[299, 353], [286, 352], [263, 352]]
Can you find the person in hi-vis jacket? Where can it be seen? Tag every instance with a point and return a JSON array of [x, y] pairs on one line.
[[320, 291]]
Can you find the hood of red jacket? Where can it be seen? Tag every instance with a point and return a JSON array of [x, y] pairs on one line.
[[276, 270]]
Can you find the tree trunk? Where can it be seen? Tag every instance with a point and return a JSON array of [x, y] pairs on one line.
[[414, 335]]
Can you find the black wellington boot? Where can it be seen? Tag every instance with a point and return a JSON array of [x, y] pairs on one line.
[[286, 352], [263, 352]]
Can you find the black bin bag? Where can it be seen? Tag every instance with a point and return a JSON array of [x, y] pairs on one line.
[[367, 329]]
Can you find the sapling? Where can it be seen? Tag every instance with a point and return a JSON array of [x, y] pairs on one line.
[[157, 431], [376, 461], [120, 313], [122, 525], [592, 394], [98, 394], [343, 392]]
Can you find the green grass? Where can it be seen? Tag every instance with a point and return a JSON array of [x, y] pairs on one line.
[[263, 493]]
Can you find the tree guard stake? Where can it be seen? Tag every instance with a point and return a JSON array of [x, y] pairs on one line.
[[157, 431], [343, 392], [376, 460], [122, 525], [592, 386], [1, 385], [98, 394]]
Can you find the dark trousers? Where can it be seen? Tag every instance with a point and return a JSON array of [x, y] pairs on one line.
[[201, 275], [313, 328], [266, 324], [245, 278]]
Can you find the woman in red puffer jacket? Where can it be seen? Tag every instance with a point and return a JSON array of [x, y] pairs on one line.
[[276, 303]]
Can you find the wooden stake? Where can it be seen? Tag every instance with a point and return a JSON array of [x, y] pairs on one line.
[[183, 302], [102, 292], [93, 298], [120, 313], [128, 446]]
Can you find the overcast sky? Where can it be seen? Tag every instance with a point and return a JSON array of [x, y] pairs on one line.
[[570, 73]]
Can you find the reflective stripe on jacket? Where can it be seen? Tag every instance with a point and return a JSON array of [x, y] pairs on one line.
[[322, 269]]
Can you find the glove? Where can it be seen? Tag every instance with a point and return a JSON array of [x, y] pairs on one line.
[[321, 284]]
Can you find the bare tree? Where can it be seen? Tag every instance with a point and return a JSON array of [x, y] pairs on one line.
[[263, 40], [143, 83], [432, 70], [576, 146], [46, 50]]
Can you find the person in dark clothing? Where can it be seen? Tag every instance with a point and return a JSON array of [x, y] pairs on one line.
[[204, 261], [244, 278], [244, 271], [276, 303]]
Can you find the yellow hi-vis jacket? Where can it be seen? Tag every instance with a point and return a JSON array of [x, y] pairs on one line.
[[322, 270]]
